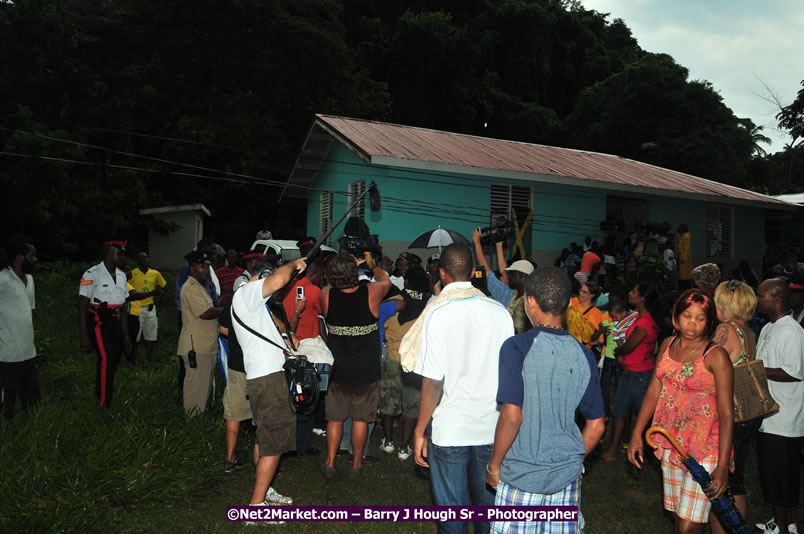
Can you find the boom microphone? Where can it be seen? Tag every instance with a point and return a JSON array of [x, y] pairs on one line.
[[374, 197]]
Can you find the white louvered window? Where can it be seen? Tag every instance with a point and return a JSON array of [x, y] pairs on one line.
[[719, 235], [505, 197], [356, 190], [325, 218]]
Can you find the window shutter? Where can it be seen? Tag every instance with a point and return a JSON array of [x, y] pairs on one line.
[[325, 219], [356, 190], [719, 232], [504, 197]]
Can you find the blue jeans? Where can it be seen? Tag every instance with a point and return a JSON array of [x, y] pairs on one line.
[[346, 440], [608, 380], [456, 473], [630, 391]]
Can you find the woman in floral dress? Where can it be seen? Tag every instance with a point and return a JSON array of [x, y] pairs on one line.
[[691, 396]]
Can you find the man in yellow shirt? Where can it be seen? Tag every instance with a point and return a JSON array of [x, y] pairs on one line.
[[684, 254], [147, 283]]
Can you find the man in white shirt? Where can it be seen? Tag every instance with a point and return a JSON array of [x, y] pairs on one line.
[[266, 386], [459, 357], [781, 436], [17, 349], [103, 318]]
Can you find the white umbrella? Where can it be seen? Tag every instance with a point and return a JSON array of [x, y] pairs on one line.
[[439, 237]]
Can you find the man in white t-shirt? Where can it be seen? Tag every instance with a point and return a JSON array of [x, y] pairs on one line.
[[266, 386], [781, 348], [17, 349], [459, 357]]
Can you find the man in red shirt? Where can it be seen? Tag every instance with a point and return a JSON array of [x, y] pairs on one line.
[[227, 275], [303, 318], [304, 322]]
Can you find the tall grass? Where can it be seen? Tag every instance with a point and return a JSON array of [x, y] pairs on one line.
[[68, 464], [143, 466]]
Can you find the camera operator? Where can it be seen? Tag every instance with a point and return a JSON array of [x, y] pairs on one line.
[[266, 386], [509, 289]]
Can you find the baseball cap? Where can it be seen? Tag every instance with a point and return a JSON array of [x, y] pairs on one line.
[[523, 266]]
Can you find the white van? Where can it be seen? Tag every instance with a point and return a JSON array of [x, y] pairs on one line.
[[284, 248]]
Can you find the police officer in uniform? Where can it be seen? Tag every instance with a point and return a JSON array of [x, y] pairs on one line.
[[102, 316], [198, 340]]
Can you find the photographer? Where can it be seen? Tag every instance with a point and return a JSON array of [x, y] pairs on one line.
[[509, 289], [266, 385]]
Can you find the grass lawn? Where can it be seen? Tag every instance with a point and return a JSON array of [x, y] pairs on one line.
[[142, 466]]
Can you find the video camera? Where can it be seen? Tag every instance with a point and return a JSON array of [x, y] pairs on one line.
[[500, 230], [357, 240]]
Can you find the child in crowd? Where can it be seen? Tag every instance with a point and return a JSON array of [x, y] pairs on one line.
[[624, 317], [690, 395], [621, 319]]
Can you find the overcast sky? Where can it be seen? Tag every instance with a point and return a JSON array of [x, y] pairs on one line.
[[732, 44]]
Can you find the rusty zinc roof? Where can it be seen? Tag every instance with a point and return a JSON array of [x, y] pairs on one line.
[[411, 147]]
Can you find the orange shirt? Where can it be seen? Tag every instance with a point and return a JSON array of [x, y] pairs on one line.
[[593, 317], [588, 261]]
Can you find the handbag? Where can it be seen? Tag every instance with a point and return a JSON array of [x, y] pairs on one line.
[[752, 399], [301, 375]]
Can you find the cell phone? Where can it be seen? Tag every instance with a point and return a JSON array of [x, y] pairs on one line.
[[192, 360], [300, 293]]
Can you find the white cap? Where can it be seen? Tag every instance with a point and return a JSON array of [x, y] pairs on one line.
[[523, 266]]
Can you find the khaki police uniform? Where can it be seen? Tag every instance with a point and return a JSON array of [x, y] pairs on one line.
[[106, 296], [200, 335]]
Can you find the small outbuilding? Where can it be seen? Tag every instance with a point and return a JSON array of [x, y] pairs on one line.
[[173, 232]]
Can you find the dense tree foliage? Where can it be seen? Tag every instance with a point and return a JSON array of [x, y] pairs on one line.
[[112, 106], [650, 112]]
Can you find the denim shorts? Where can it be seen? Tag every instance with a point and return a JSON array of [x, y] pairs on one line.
[[631, 389]]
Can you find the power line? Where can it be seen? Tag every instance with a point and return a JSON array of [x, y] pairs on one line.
[[400, 208], [264, 181], [164, 161]]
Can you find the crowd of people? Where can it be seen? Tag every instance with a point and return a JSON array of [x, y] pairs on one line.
[[501, 381]]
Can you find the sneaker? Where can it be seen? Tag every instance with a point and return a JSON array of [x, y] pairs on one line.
[[264, 503], [404, 454], [770, 527], [320, 432], [274, 497], [387, 446], [232, 466]]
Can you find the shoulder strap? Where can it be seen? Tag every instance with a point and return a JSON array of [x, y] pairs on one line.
[[587, 309], [247, 327], [672, 342], [743, 353]]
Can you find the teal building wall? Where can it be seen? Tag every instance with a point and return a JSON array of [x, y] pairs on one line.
[[415, 201]]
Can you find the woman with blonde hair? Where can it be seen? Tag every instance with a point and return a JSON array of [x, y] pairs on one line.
[[736, 302]]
